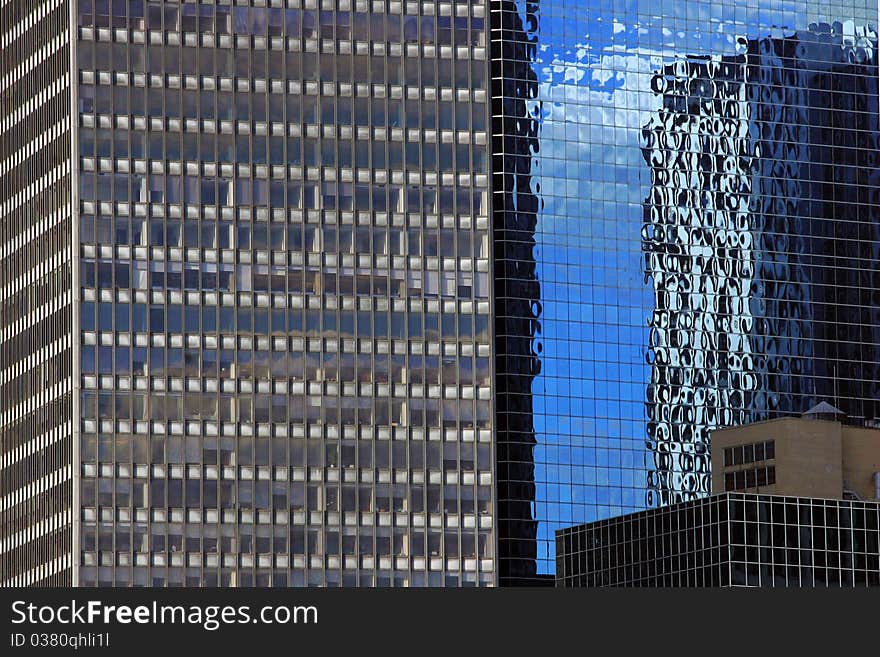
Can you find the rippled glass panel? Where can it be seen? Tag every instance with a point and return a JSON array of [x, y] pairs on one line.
[[686, 237]]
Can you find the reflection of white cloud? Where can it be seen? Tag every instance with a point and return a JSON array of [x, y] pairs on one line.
[[590, 131], [602, 75]]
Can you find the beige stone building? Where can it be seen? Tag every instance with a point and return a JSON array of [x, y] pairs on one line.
[[815, 455]]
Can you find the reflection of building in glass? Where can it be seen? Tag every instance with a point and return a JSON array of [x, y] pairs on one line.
[[517, 293], [700, 262], [816, 221], [761, 240], [717, 302]]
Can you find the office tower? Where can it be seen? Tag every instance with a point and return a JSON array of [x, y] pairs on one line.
[[343, 312], [269, 362], [730, 539], [704, 243], [37, 343]]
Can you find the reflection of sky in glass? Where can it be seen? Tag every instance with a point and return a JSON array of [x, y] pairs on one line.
[[594, 64]]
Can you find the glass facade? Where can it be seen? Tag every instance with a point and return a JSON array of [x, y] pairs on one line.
[[733, 539], [350, 292], [690, 198], [285, 293]]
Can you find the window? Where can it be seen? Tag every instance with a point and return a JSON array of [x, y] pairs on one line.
[[759, 452], [745, 454], [105, 316], [157, 319], [750, 478]]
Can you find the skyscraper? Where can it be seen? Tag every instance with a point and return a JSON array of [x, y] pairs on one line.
[[700, 188], [385, 293], [271, 358], [38, 343]]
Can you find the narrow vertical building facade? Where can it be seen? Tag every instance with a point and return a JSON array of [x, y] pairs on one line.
[[38, 345]]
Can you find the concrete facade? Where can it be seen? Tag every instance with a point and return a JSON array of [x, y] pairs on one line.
[[812, 458]]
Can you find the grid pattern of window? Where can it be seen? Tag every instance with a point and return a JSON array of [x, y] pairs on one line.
[[700, 250], [514, 205], [284, 262], [743, 474], [302, 349], [745, 454], [681, 545], [36, 300], [733, 539], [750, 478]]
